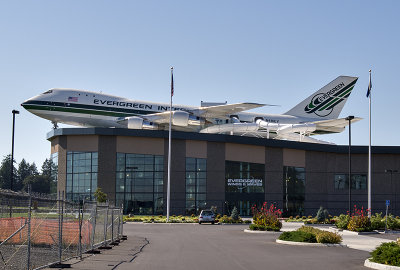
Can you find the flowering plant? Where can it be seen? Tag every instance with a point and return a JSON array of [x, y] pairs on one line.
[[359, 220], [267, 216]]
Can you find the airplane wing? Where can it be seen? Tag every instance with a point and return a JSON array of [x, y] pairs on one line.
[[332, 126], [159, 118], [224, 111]]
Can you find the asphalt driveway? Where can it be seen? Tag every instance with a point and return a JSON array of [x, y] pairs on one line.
[[193, 246]]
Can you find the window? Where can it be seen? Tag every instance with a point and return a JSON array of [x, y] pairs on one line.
[[244, 177], [358, 181], [140, 183], [196, 185], [81, 175], [294, 185]]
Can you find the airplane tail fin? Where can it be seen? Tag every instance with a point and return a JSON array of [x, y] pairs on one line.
[[328, 102]]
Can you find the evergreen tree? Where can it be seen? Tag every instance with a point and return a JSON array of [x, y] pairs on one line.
[[235, 214], [24, 170], [5, 172], [39, 183], [50, 169]]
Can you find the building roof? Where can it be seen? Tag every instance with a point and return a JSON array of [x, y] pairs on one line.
[[180, 135]]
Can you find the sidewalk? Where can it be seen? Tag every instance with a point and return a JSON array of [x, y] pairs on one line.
[[125, 252]]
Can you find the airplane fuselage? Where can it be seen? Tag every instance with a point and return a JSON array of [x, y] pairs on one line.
[[91, 109]]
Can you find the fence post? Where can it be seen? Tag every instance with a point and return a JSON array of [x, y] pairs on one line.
[[122, 220], [119, 224], [94, 225], [105, 227], [112, 225], [60, 224], [80, 229], [29, 228]]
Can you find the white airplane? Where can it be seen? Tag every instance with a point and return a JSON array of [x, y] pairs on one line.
[[317, 114]]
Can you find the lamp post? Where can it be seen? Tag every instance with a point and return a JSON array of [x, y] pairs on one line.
[[349, 118], [14, 112], [391, 182]]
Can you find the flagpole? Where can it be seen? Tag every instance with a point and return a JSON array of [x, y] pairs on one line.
[[369, 148], [169, 146]]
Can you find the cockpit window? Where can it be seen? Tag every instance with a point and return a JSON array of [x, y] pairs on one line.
[[48, 92]]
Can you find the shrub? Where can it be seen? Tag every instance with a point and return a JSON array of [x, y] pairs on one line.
[[322, 215], [133, 219], [226, 219], [309, 229], [359, 221], [387, 253], [235, 214], [328, 237], [267, 216], [255, 227], [359, 224], [377, 222], [322, 236], [298, 236], [342, 221], [392, 223]]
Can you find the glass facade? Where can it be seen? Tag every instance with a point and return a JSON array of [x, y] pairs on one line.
[[294, 186], [82, 170], [196, 185], [244, 186], [358, 181], [140, 183], [54, 171], [244, 177]]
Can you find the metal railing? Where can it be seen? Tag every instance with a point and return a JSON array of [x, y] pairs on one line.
[[37, 231]]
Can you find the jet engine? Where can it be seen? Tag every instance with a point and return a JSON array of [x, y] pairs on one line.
[[183, 119], [135, 122]]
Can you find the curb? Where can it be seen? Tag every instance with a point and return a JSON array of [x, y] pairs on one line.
[[380, 266], [308, 244], [360, 233], [265, 232]]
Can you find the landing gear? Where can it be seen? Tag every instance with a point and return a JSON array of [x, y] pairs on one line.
[[55, 124]]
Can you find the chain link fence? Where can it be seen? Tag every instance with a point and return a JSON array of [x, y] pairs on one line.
[[38, 231]]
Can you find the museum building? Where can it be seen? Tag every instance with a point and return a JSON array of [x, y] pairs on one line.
[[224, 171]]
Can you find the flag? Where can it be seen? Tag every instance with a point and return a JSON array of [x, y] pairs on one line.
[[172, 83], [73, 99], [369, 85]]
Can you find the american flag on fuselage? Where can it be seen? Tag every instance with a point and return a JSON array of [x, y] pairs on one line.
[[73, 99]]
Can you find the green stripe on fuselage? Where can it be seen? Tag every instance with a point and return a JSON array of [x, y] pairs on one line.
[[77, 110]]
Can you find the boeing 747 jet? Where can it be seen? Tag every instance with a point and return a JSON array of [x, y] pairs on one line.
[[317, 114]]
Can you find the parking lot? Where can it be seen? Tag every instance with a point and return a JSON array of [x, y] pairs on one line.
[[193, 246]]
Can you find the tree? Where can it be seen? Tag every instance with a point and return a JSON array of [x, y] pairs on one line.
[[235, 214], [100, 196], [5, 172], [50, 169], [39, 183], [24, 170]]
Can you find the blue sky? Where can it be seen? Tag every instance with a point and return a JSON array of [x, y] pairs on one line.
[[275, 52]]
